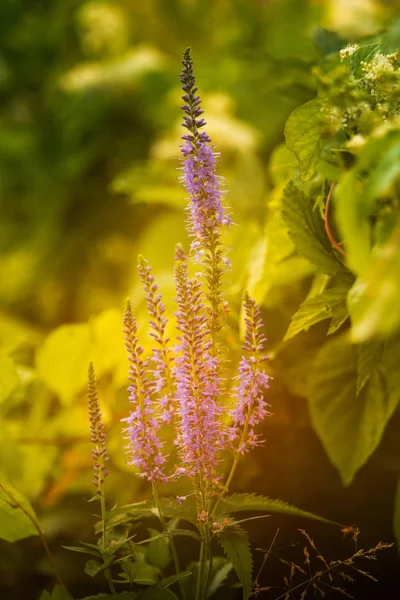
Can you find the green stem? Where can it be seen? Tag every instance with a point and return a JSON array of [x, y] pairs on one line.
[[41, 536], [108, 577], [172, 543], [107, 572], [202, 558]]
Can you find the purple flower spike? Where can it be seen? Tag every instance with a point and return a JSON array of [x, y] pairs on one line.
[[251, 407], [198, 383], [200, 178], [98, 436], [162, 356], [144, 444]]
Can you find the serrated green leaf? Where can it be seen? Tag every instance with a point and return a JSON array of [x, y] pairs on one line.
[[9, 378], [158, 551], [93, 567], [58, 593], [236, 546], [303, 137], [350, 427], [251, 502], [362, 54], [330, 304], [307, 230]]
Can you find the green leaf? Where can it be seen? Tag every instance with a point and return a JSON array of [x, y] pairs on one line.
[[220, 571], [235, 544], [396, 515], [368, 356], [350, 427], [158, 551], [93, 567], [362, 54], [374, 299], [251, 502], [58, 593], [330, 304], [14, 523], [170, 508], [63, 360], [303, 137], [141, 573], [307, 230], [9, 378], [356, 198], [82, 550]]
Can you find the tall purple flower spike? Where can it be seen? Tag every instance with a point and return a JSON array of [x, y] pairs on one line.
[[162, 383], [251, 407], [144, 445], [198, 383], [199, 167]]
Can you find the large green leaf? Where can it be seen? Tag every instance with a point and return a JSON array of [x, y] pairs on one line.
[[330, 304], [14, 522], [9, 378], [303, 137], [158, 551], [236, 545], [252, 502], [63, 360], [374, 300], [307, 230], [350, 427], [356, 197]]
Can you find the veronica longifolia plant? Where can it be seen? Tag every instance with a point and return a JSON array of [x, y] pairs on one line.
[[187, 384]]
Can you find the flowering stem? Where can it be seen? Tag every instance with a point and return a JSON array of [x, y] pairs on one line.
[[40, 534], [172, 543]]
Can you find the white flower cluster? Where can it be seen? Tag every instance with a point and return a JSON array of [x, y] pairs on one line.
[[348, 51]]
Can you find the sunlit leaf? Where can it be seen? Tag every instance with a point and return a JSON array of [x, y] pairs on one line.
[[331, 304], [307, 230], [303, 137], [63, 360]]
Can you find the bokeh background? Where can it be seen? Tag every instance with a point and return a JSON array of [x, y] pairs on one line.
[[89, 148]]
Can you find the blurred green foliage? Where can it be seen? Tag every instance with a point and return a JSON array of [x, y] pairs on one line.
[[89, 141]]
